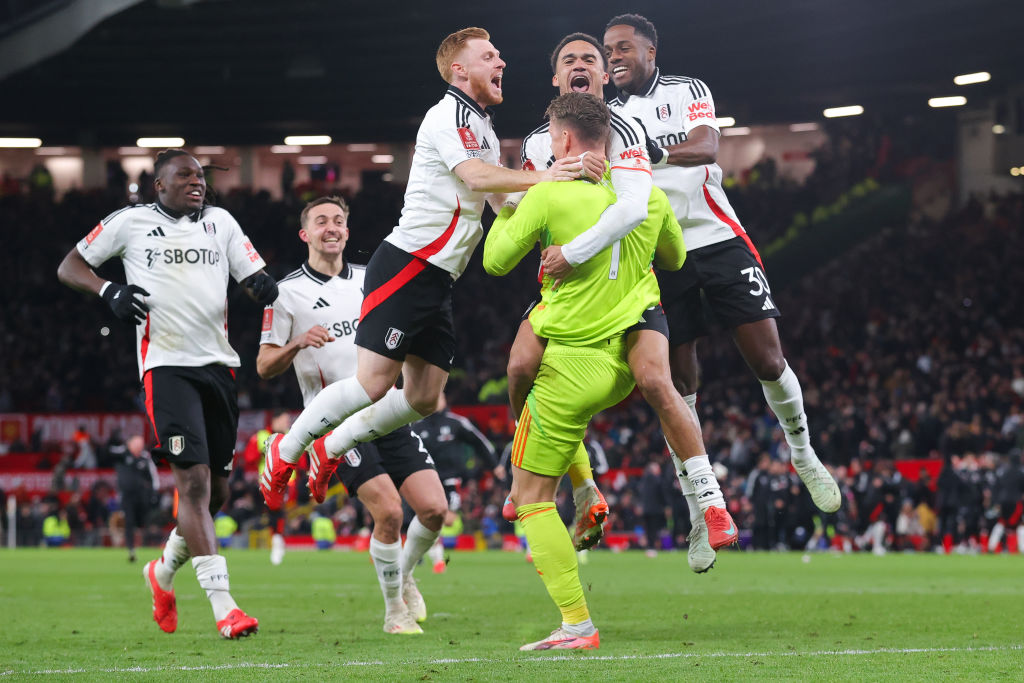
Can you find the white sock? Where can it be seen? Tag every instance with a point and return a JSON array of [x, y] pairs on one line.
[[996, 536], [1020, 538], [212, 573], [436, 552], [372, 422], [175, 555], [386, 560], [705, 484], [417, 541], [689, 493], [787, 402], [579, 494], [332, 405], [584, 628]]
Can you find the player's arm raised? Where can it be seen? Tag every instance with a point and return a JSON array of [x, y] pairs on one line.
[[272, 360], [514, 233]]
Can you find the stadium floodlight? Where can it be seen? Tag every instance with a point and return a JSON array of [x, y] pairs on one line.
[[1015, 171], [210, 150], [969, 79], [836, 112], [313, 161], [160, 142], [285, 149], [20, 143], [308, 140], [954, 101], [999, 129], [382, 158], [742, 130], [802, 127], [726, 121], [132, 151], [51, 151]]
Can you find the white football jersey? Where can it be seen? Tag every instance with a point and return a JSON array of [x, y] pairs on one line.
[[307, 298], [669, 109], [440, 220], [627, 146], [184, 263]]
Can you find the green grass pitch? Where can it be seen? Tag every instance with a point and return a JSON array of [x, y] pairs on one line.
[[81, 614]]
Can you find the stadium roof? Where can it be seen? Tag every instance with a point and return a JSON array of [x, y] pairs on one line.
[[252, 71]]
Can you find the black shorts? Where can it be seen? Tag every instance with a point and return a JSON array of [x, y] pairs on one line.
[[732, 281], [398, 455], [651, 319], [194, 413], [407, 308]]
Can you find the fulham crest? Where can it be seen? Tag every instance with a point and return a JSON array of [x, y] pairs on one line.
[[664, 112], [176, 444], [393, 338]]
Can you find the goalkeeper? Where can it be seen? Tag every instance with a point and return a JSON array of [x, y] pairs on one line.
[[585, 319]]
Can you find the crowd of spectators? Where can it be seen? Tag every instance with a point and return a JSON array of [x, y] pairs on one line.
[[934, 371]]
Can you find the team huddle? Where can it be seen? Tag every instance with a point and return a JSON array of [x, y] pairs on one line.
[[636, 235]]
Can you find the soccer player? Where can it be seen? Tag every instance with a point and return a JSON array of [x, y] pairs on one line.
[[252, 460], [446, 437], [311, 327], [178, 254], [678, 114], [579, 66], [406, 318], [584, 368]]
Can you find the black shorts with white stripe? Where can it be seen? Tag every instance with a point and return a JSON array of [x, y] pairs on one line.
[[407, 308], [721, 283]]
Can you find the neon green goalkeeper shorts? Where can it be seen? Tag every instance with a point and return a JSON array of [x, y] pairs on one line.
[[573, 384]]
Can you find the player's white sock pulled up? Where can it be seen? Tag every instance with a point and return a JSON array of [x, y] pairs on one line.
[[686, 486], [387, 561], [332, 405], [175, 556], [705, 483], [418, 540], [383, 417], [787, 402], [212, 574]]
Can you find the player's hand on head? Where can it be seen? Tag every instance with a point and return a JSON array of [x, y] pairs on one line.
[[554, 263], [593, 164], [261, 288], [568, 168], [316, 337], [126, 302]]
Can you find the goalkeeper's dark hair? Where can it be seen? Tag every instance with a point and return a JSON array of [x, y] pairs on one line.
[[639, 23], [587, 115], [586, 38]]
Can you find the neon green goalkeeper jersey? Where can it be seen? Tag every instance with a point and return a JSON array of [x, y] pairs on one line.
[[609, 293]]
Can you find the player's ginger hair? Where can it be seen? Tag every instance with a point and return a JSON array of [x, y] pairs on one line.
[[452, 45]]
